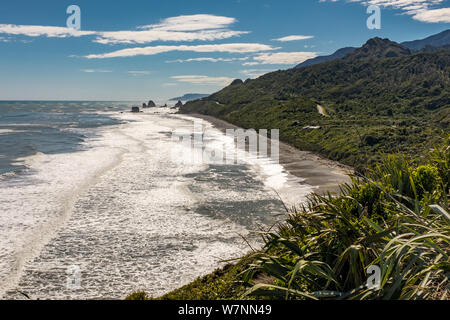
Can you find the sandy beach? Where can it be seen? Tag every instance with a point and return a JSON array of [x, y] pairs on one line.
[[324, 174]]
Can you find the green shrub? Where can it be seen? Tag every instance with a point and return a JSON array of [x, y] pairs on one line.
[[426, 177], [323, 250], [138, 295], [369, 196]]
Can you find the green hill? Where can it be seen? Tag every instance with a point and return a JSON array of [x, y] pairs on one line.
[[381, 97]]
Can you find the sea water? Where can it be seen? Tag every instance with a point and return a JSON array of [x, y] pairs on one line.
[[91, 187]]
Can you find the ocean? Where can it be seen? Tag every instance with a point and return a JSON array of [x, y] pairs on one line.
[[92, 195], [30, 127]]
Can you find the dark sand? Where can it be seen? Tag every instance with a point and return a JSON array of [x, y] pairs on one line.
[[322, 173]]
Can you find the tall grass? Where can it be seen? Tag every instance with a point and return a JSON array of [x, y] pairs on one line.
[[396, 217]]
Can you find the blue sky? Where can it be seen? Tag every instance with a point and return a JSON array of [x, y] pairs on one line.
[[142, 49]]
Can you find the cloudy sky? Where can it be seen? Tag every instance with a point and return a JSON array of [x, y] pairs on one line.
[[142, 49]]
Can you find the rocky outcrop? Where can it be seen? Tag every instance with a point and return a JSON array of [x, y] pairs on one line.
[[179, 104], [144, 105], [134, 109], [236, 82], [377, 48], [151, 104]]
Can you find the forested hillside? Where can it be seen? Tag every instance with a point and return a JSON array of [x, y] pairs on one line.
[[381, 97]]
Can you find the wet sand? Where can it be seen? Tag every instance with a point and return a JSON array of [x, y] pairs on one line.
[[324, 174]]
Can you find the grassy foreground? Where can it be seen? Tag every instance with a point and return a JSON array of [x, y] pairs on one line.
[[396, 217]]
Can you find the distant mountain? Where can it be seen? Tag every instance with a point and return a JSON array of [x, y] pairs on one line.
[[190, 97], [375, 48], [437, 40], [432, 43], [378, 48], [434, 49], [341, 53]]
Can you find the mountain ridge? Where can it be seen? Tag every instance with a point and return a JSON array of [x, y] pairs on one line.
[[441, 39], [437, 40], [379, 48], [338, 54]]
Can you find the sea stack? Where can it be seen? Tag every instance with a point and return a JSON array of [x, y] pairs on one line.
[[151, 104], [144, 105], [134, 109], [179, 104]]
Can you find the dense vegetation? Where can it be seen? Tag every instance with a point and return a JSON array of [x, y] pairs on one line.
[[221, 284], [380, 97], [397, 217]]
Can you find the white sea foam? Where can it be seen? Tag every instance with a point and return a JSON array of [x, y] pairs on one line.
[[290, 188], [8, 131], [35, 205], [129, 216]]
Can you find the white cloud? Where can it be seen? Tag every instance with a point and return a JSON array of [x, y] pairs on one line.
[[200, 27], [252, 63], [147, 36], [139, 72], [206, 59], [293, 38], [192, 23], [281, 58], [421, 10], [406, 5], [255, 73], [434, 16], [146, 51], [9, 39], [95, 71], [47, 31], [204, 80]]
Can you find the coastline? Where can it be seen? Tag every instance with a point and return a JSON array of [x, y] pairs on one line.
[[323, 174], [140, 154], [145, 196]]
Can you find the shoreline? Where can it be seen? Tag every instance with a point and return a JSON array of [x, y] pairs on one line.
[[323, 174], [151, 191]]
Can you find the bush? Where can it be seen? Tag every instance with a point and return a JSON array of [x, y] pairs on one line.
[[426, 177], [369, 196], [138, 295], [323, 250]]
